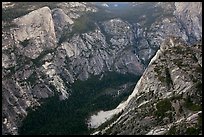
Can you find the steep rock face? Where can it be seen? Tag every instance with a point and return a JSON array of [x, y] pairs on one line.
[[36, 67], [186, 22], [8, 58], [190, 16], [120, 31], [35, 33], [60, 21], [28, 75], [91, 53], [167, 98], [145, 48]]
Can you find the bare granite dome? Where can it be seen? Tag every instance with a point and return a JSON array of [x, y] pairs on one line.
[[37, 29]]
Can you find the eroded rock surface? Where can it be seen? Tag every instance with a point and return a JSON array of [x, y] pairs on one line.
[[36, 65], [167, 98]]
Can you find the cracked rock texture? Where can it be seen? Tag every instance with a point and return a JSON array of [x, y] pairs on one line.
[[168, 96], [35, 65], [35, 32]]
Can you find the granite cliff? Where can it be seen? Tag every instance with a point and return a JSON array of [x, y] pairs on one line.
[[46, 48], [167, 99]]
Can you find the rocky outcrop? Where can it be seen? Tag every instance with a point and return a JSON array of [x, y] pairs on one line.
[[28, 75], [36, 65], [91, 53], [22, 85], [60, 21], [7, 4], [186, 22], [190, 17], [75, 9], [167, 98], [35, 33]]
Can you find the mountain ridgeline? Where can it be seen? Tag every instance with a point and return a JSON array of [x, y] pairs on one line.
[[167, 98], [62, 62]]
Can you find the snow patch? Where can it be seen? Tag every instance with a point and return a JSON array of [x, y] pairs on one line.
[[102, 116]]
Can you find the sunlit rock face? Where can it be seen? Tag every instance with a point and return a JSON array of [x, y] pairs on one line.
[[33, 35], [92, 54], [172, 80], [35, 32], [35, 65]]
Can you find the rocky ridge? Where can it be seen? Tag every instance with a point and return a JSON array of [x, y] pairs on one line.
[[35, 66], [167, 98]]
